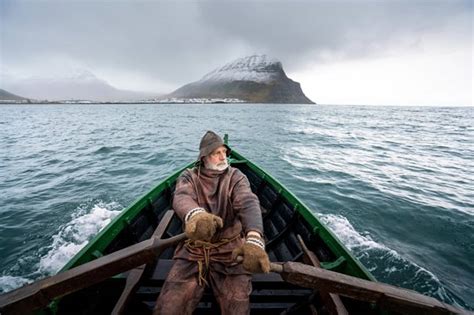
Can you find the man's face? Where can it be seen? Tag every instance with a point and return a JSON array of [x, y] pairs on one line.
[[218, 158]]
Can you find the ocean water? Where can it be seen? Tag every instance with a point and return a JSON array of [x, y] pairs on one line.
[[395, 184]]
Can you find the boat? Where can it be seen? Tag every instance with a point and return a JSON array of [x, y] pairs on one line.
[[313, 272]]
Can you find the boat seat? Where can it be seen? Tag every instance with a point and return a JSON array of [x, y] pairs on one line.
[[261, 280], [270, 294], [135, 275]]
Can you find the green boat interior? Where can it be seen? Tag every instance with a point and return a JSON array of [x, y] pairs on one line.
[[289, 237]]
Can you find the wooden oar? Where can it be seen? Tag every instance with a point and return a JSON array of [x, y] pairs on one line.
[[40, 293], [385, 296]]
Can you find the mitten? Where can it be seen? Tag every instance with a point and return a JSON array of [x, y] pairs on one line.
[[201, 225], [255, 259]]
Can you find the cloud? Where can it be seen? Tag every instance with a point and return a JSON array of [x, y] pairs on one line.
[[172, 43], [413, 79], [299, 30], [160, 39]]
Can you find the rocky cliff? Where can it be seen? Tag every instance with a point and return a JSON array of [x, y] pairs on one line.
[[255, 79]]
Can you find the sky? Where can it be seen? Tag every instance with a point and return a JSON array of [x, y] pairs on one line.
[[405, 52]]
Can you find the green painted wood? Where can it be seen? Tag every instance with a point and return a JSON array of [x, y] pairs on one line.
[[334, 265]]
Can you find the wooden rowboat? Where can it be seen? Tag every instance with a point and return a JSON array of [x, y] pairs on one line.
[[124, 267]]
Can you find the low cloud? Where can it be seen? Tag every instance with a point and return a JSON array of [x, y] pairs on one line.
[[178, 42]]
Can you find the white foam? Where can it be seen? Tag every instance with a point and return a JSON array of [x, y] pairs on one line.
[[75, 234], [8, 283], [349, 236], [85, 223], [387, 263]]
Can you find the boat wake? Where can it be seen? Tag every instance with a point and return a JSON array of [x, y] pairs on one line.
[[386, 264], [86, 221], [8, 283], [73, 236]]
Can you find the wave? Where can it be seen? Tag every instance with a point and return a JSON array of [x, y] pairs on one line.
[[386, 264], [74, 235], [86, 221], [8, 283], [427, 183], [107, 149]]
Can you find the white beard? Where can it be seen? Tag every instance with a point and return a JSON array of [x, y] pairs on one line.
[[217, 167]]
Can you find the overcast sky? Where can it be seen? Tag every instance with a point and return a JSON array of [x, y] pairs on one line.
[[342, 52]]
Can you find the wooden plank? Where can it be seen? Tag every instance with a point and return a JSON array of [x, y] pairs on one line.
[[387, 297], [40, 293], [333, 301], [260, 281], [135, 275], [164, 224]]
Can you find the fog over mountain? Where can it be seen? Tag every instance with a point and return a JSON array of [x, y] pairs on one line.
[[79, 84]]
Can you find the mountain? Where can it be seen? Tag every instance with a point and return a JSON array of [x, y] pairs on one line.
[[79, 84], [255, 79], [7, 96]]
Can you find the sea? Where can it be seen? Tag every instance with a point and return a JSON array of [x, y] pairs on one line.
[[394, 183]]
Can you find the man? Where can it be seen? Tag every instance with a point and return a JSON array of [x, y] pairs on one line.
[[222, 219]]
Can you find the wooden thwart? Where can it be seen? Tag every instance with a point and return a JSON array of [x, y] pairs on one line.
[[135, 275], [333, 301], [42, 292], [385, 296]]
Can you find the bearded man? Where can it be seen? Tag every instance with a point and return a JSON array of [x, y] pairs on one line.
[[222, 219]]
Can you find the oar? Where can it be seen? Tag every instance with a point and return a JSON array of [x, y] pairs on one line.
[[40, 293], [385, 296]]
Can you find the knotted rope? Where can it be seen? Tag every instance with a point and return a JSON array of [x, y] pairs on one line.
[[206, 249]]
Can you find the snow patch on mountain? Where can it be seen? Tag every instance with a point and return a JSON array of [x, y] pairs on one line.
[[257, 68]]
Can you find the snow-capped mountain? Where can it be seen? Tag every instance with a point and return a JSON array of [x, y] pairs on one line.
[[257, 79], [256, 68], [78, 84]]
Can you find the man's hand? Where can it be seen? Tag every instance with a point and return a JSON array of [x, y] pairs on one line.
[[202, 226], [255, 259]]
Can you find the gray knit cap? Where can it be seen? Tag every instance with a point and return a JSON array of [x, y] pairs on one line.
[[209, 142]]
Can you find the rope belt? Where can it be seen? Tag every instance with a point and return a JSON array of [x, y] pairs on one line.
[[206, 248]]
